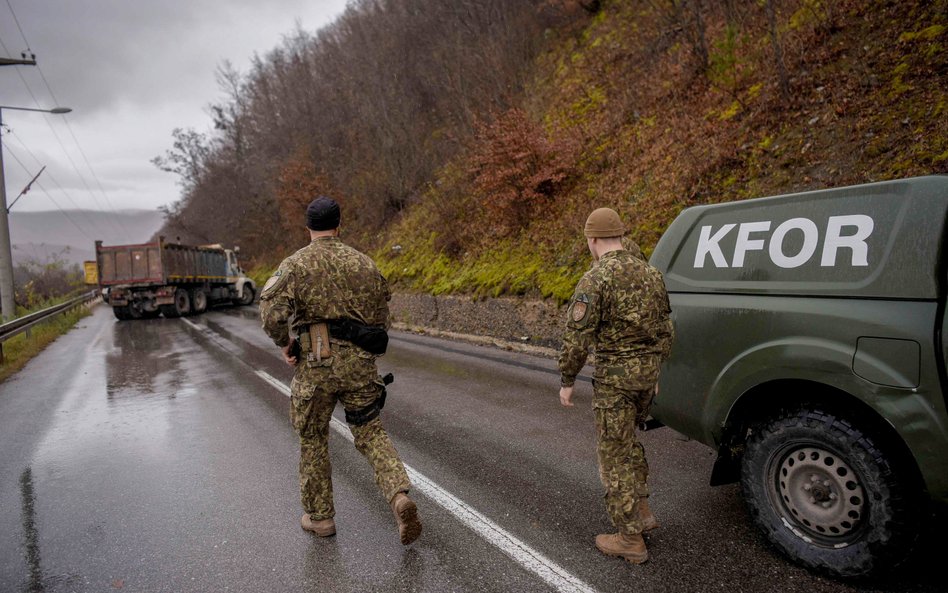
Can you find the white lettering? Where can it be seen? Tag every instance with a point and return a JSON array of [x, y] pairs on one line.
[[708, 244], [856, 241], [811, 237], [745, 244]]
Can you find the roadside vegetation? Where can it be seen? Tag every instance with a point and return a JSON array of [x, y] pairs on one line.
[[467, 140], [41, 285]]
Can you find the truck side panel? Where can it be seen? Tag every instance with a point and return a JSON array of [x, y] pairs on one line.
[[194, 264], [764, 339], [879, 240]]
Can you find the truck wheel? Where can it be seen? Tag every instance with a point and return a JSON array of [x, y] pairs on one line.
[[181, 306], [198, 301], [121, 313], [246, 296], [135, 310], [826, 494]]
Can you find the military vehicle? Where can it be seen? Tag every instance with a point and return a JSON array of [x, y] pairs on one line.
[[152, 279], [811, 354]]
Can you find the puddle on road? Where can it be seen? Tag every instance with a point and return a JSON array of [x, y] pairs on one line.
[[147, 357], [126, 401]]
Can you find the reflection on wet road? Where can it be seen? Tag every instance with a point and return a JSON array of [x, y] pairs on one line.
[[157, 456], [29, 533]]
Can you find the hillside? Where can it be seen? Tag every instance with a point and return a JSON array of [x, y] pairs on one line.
[[467, 140], [628, 112]]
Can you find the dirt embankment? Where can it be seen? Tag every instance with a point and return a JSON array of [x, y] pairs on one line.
[[536, 324]]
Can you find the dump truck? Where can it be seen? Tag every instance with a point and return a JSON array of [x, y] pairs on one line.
[[811, 353], [170, 279]]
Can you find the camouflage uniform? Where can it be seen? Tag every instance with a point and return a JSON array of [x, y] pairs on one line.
[[330, 280], [620, 307]]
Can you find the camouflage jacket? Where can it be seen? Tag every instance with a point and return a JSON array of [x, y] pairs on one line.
[[325, 280], [620, 308]]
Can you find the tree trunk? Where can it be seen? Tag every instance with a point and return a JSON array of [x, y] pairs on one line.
[[698, 35], [783, 79]]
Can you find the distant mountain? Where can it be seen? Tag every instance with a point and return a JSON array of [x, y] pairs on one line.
[[71, 234]]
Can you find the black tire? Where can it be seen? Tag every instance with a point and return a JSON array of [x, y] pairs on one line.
[[135, 310], [246, 297], [828, 495], [198, 301], [121, 313], [180, 307]]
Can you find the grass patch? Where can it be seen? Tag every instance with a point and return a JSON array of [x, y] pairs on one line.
[[260, 273], [18, 351], [512, 268]]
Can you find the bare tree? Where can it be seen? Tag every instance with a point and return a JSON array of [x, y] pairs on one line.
[[782, 77]]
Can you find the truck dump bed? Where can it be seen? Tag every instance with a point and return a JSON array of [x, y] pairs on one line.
[[159, 263]]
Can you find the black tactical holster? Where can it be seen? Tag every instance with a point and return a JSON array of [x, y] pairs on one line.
[[371, 411]]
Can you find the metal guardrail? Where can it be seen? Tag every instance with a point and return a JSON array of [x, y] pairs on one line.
[[25, 323]]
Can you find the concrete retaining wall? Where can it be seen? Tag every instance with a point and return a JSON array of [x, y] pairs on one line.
[[539, 323]]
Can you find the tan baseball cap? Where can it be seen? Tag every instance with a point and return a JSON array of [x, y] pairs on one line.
[[604, 222]]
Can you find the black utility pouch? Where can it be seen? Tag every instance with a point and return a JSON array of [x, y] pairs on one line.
[[371, 338]]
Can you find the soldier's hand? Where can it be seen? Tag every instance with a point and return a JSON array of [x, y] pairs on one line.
[[566, 396], [290, 360]]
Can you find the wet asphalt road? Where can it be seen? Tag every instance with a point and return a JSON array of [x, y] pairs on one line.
[[153, 456]]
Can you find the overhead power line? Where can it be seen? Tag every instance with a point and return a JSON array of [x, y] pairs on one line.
[[114, 220], [17, 21], [95, 225], [43, 189]]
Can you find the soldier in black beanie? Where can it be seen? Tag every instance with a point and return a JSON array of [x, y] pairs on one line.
[[320, 287], [322, 214]]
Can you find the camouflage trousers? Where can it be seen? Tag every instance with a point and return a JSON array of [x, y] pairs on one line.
[[622, 465], [314, 396]]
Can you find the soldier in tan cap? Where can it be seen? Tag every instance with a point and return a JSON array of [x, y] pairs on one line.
[[337, 302], [620, 308]]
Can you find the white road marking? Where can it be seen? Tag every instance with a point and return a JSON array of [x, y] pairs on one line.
[[551, 572]]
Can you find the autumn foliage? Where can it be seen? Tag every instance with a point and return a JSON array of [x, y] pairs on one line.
[[469, 139], [517, 171], [298, 183]]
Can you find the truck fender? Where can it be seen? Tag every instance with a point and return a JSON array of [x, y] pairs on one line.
[[809, 369], [239, 285], [800, 358]]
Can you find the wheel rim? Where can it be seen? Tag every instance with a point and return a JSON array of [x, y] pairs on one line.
[[819, 492], [181, 301]]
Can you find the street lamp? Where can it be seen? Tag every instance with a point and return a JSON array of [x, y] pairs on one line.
[[7, 304]]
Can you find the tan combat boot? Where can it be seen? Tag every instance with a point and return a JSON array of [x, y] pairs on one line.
[[649, 522], [323, 528], [630, 547], [406, 513]]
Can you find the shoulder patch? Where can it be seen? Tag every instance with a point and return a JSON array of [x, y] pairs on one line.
[[579, 311], [273, 284]]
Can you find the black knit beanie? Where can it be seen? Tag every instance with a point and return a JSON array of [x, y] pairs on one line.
[[322, 214]]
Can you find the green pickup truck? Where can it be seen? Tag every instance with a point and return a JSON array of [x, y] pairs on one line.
[[811, 354]]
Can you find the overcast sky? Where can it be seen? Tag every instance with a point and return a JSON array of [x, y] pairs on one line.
[[132, 71]]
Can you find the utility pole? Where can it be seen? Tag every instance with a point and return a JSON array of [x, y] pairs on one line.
[[7, 303], [7, 291]]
